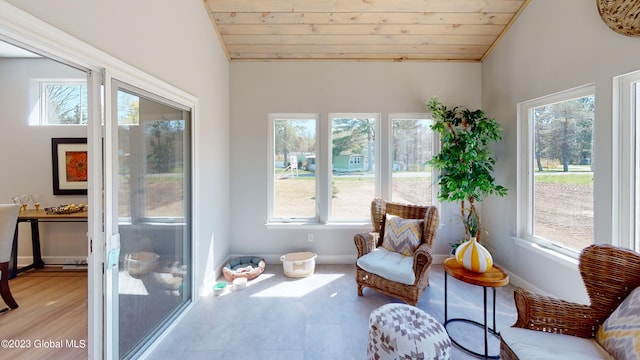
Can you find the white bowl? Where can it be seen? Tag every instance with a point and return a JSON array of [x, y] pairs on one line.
[[239, 283], [219, 288]]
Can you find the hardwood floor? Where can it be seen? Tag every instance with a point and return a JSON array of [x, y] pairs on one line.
[[51, 322]]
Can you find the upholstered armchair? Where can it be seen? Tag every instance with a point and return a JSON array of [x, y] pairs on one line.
[[401, 272], [546, 325]]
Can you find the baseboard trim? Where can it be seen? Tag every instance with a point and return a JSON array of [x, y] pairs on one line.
[[48, 260], [274, 260], [517, 281], [321, 259]]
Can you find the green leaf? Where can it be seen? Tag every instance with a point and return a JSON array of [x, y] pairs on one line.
[[465, 161]]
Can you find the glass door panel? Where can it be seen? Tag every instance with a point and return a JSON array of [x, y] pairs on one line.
[[154, 219]]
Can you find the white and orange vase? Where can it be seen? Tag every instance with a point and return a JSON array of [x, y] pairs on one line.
[[474, 257]]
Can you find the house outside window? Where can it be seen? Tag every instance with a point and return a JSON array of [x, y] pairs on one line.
[[327, 170], [555, 190], [293, 167], [354, 149]]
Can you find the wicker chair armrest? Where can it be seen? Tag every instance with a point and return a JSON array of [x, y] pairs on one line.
[[422, 259], [365, 242], [548, 314]]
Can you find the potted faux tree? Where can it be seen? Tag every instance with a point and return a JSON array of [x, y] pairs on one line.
[[465, 161]]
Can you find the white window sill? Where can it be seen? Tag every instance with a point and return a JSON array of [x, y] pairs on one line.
[[548, 253], [319, 226]]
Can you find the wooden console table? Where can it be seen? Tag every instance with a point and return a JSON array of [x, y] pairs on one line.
[[34, 218]]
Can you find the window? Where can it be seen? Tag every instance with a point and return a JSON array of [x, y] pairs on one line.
[[293, 166], [626, 162], [412, 146], [128, 108], [328, 170], [153, 141], [63, 102], [154, 180], [555, 191], [353, 163]]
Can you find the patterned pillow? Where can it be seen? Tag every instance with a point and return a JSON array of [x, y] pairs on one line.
[[402, 235], [620, 333]]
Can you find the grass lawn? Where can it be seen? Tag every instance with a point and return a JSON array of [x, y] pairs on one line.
[[565, 178], [564, 200]]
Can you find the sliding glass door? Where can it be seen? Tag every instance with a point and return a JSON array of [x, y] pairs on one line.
[[152, 190]]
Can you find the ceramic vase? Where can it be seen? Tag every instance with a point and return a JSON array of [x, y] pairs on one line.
[[474, 257]]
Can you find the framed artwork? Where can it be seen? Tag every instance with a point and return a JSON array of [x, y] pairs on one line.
[[69, 157]]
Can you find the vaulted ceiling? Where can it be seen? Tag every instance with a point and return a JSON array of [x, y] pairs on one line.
[[375, 30]]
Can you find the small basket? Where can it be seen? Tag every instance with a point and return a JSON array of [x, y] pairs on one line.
[[299, 264], [140, 263]]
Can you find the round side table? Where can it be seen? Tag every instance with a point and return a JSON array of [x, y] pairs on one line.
[[493, 278]]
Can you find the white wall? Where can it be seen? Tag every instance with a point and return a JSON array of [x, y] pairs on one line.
[[323, 87], [26, 157], [175, 42], [553, 46]]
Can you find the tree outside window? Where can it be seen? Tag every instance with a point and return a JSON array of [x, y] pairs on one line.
[[64, 103], [353, 162], [412, 144], [562, 173], [294, 172]]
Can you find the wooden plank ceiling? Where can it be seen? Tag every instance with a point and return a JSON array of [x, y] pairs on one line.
[[375, 30]]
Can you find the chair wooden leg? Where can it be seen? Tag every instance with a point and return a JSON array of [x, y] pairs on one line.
[[4, 286]]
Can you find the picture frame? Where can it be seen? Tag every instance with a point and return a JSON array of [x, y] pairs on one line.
[[69, 160]]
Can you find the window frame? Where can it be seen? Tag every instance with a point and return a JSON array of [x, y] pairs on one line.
[[524, 216], [626, 159], [434, 150], [382, 172], [271, 218], [39, 113], [327, 206], [139, 212]]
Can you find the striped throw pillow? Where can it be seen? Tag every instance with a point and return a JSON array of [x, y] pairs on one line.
[[402, 235], [620, 333]]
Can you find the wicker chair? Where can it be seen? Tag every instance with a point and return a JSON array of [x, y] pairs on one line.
[[609, 274], [422, 257]]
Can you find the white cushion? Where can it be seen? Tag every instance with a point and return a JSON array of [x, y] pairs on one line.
[[539, 345], [389, 265]]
